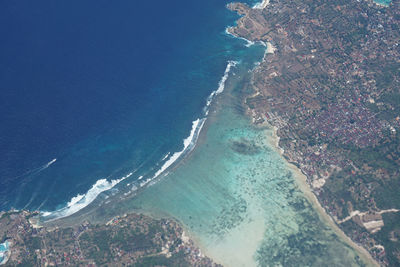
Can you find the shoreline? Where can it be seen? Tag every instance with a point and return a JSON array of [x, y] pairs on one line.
[[76, 246], [261, 5], [301, 181], [172, 162], [299, 177]]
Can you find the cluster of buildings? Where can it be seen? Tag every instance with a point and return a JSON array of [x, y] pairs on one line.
[[332, 89], [123, 241]]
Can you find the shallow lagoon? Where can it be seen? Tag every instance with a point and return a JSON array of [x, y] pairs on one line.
[[3, 250], [383, 2], [238, 197]]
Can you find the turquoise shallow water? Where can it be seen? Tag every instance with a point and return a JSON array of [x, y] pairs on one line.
[[3, 249], [94, 91], [237, 197], [383, 2], [4, 246]]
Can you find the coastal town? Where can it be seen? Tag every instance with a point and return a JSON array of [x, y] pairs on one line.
[[128, 240], [329, 85]]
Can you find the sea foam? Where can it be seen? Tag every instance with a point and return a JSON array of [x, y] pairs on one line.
[[187, 143], [221, 85], [190, 142], [81, 201], [248, 42], [261, 5]]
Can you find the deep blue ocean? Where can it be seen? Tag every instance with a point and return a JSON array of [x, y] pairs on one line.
[[93, 90]]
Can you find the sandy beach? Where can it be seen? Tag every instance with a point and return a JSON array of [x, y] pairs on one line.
[[301, 180], [242, 209]]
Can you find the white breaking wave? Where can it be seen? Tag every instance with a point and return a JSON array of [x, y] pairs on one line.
[[80, 201], [197, 125], [191, 139], [166, 156], [248, 42], [78, 198], [261, 5], [221, 85]]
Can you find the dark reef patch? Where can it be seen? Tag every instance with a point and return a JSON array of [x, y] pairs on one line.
[[245, 147]]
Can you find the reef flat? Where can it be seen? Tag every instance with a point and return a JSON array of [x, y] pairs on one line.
[[238, 198]]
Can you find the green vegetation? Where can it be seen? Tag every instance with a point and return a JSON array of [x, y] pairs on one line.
[[385, 155], [388, 196], [177, 260], [389, 72], [373, 158], [26, 263], [390, 234], [33, 243]]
